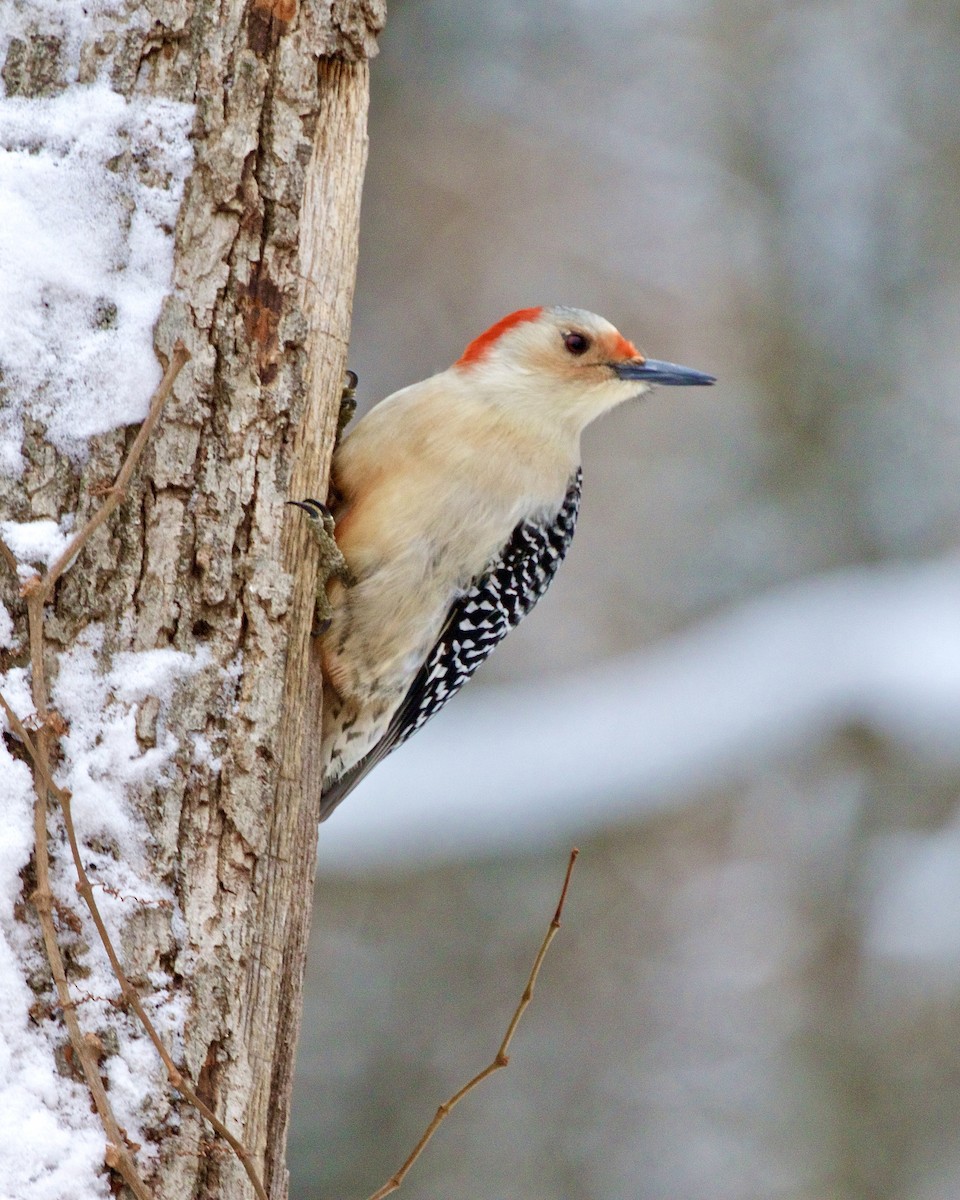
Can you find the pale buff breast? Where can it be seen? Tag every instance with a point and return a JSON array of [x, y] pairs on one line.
[[417, 528]]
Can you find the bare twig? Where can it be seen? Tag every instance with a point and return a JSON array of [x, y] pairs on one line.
[[179, 357], [117, 1155], [500, 1059], [129, 992], [37, 592], [132, 996], [8, 557], [20, 730]]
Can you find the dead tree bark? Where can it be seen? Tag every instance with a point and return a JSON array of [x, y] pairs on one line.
[[201, 551]]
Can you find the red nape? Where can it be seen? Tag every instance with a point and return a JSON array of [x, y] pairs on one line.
[[479, 346]]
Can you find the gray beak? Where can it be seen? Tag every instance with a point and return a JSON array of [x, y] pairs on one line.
[[652, 371]]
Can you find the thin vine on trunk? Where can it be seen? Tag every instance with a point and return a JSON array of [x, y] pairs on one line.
[[197, 554]]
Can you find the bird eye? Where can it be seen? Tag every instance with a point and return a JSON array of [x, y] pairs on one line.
[[576, 343]]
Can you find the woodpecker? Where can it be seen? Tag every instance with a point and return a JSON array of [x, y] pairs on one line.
[[453, 503]]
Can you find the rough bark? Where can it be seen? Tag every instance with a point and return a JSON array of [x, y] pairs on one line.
[[202, 550]]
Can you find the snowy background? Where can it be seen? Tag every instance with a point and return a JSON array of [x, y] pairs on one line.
[[742, 695]]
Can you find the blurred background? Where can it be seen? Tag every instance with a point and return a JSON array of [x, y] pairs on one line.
[[741, 697]]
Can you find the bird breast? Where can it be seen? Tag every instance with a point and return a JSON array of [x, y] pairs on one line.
[[429, 494]]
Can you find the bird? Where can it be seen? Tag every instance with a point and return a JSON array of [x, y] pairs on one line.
[[452, 504]]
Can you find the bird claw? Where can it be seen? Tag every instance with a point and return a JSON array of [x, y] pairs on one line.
[[332, 564]]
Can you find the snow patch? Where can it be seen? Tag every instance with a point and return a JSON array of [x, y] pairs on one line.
[[90, 188], [48, 1142], [58, 1143], [8, 637], [37, 543], [103, 758]]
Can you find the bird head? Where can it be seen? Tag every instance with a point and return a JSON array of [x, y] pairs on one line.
[[568, 362]]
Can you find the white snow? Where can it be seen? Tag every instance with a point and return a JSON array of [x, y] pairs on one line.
[[58, 1150], [203, 755], [8, 637], [521, 767], [87, 259], [16, 692], [90, 189], [37, 543], [103, 758], [73, 23], [49, 1147]]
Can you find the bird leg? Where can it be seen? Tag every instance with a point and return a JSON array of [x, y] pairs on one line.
[[332, 564]]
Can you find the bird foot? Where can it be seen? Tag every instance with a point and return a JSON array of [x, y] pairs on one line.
[[332, 564]]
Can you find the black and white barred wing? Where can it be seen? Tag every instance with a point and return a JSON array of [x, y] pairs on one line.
[[478, 620]]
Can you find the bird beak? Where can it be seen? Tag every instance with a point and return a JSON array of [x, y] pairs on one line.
[[651, 371]]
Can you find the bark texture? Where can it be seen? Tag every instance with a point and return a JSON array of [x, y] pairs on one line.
[[203, 551]]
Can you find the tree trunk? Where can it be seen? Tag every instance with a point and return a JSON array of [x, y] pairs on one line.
[[202, 551]]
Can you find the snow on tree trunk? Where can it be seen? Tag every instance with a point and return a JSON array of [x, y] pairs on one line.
[[194, 780]]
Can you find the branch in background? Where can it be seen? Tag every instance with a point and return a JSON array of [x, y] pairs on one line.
[[501, 1058]]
